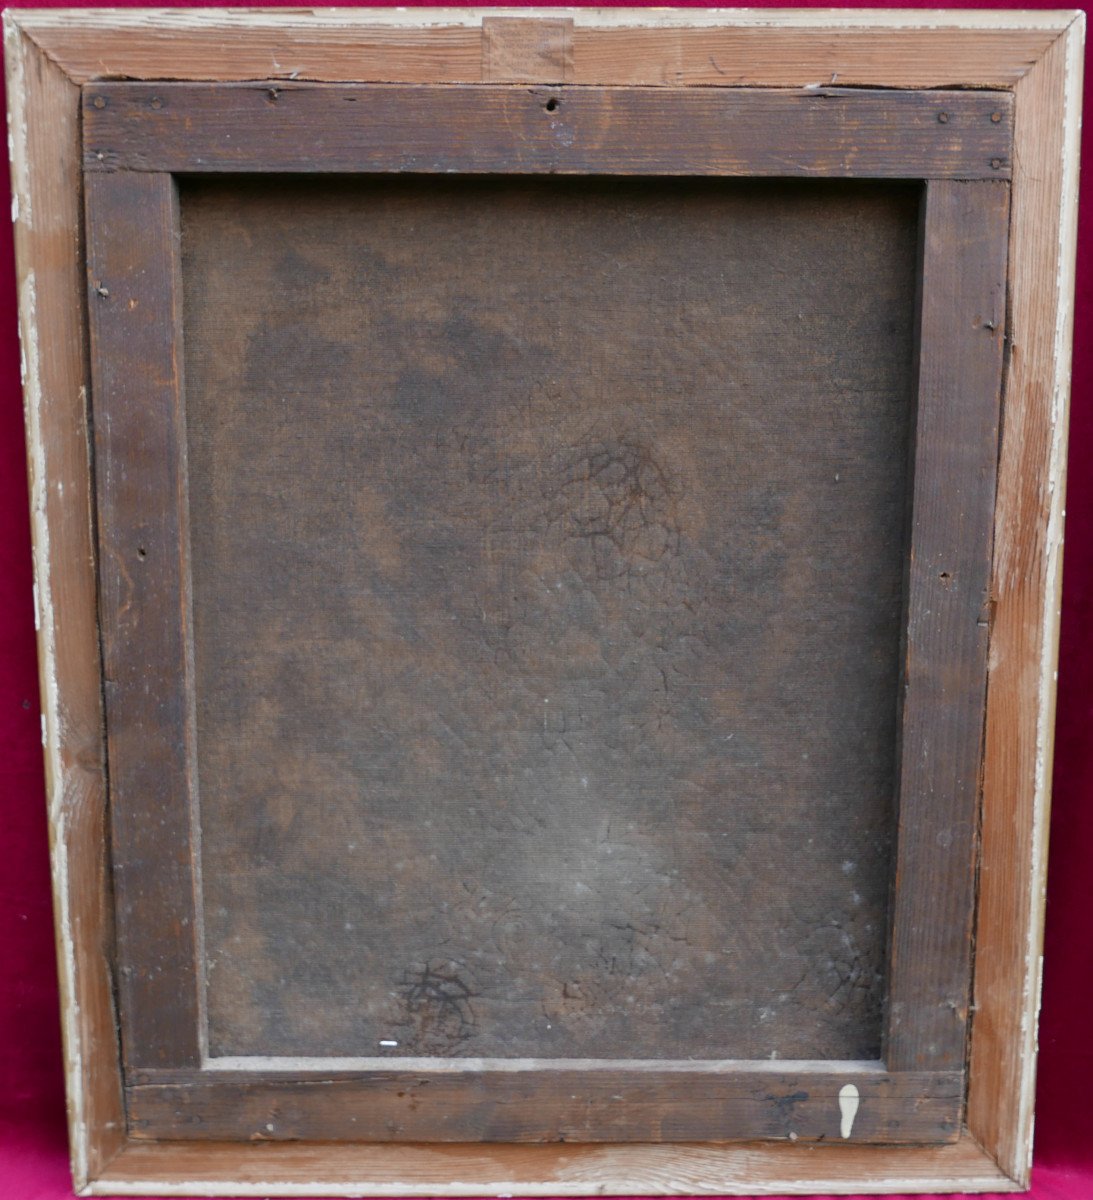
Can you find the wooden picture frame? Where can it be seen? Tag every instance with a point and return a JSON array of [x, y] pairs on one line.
[[985, 111]]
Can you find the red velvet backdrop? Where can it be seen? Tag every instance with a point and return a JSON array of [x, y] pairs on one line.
[[32, 1136]]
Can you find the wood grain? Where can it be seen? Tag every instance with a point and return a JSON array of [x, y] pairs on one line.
[[288, 1168], [140, 475], [517, 50], [961, 339], [1025, 596], [45, 146], [833, 132], [46, 50], [647, 47], [545, 1105]]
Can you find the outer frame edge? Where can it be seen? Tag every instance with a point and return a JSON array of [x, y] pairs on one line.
[[19, 27]]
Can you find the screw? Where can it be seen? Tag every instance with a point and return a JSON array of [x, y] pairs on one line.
[[943, 118], [157, 102]]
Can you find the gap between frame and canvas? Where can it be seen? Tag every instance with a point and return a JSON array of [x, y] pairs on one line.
[[48, 55]]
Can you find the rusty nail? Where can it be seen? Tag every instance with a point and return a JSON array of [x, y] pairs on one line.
[[997, 163], [996, 117], [157, 102], [99, 102], [943, 118]]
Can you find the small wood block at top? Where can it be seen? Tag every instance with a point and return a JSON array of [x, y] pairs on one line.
[[526, 50]]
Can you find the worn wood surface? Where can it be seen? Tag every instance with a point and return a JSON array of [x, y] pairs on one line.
[[1025, 590], [539, 1105], [664, 48], [514, 740], [45, 149], [140, 475], [324, 1169], [959, 390], [47, 49], [829, 131], [527, 50]]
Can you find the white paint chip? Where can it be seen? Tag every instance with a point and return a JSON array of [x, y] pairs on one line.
[[849, 1099]]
